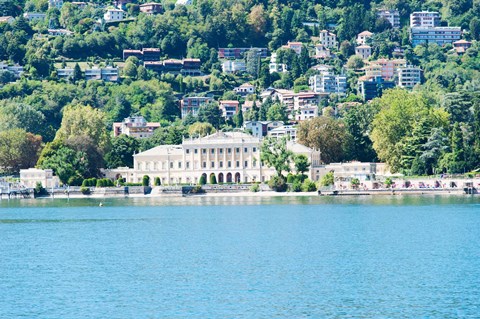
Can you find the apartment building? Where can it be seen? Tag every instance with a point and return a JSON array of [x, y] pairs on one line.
[[438, 35], [276, 67], [370, 88], [228, 108], [285, 130], [424, 19], [385, 68], [239, 53], [234, 66], [409, 76], [362, 37], [327, 82], [17, 70], [32, 16], [113, 15], [192, 104], [135, 126], [392, 16], [260, 129], [151, 8]]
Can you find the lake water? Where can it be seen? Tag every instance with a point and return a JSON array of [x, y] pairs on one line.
[[282, 257]]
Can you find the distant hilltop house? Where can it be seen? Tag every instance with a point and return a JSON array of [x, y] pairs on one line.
[[60, 32], [186, 66], [55, 4], [289, 131], [245, 89], [151, 8], [183, 2], [107, 74], [232, 157], [424, 19], [16, 70], [276, 67], [328, 39], [322, 52], [192, 104], [229, 108], [461, 46], [239, 53], [409, 76], [135, 126], [363, 36], [112, 15], [234, 66], [392, 16], [425, 28], [295, 46], [363, 51], [327, 82], [260, 129], [121, 4], [32, 16], [385, 68], [145, 54], [7, 19]]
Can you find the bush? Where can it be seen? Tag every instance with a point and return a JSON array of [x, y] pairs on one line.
[[278, 184], [328, 179], [388, 182], [39, 190], [290, 178], [85, 190], [309, 186], [355, 182], [133, 184], [296, 187], [255, 188], [157, 181], [197, 190], [213, 179], [203, 180], [146, 180], [120, 181], [74, 181]]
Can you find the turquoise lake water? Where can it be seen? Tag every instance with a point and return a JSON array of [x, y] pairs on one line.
[[282, 257]]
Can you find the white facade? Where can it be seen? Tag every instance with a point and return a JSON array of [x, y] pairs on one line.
[[287, 130], [295, 46], [234, 66], [245, 89], [233, 157], [260, 129], [327, 82], [114, 15], [34, 16], [65, 73], [276, 67], [363, 36], [393, 16], [322, 52], [409, 76], [135, 126], [17, 70], [55, 4], [30, 177], [363, 51], [424, 19], [438, 35], [328, 39]]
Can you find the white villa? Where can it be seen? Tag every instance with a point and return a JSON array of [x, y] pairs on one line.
[[233, 157]]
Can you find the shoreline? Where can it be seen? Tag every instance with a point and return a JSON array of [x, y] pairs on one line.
[[342, 193]]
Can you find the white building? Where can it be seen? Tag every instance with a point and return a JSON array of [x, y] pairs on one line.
[[192, 104], [409, 76], [234, 66], [260, 129], [438, 35], [281, 131], [363, 51], [328, 39], [305, 105], [424, 19], [295, 46], [60, 32], [114, 15], [7, 19], [183, 2], [363, 36], [276, 67], [55, 4], [322, 52], [327, 82], [245, 89], [31, 16], [17, 70], [393, 16], [30, 177], [135, 126], [229, 108], [233, 157], [65, 73]]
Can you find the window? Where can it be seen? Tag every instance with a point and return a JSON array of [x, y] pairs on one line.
[[254, 149], [204, 164], [187, 151], [229, 163], [171, 164], [245, 150], [187, 164], [237, 150], [212, 165], [246, 164], [229, 150], [221, 151], [179, 164], [204, 151], [212, 151], [221, 164], [196, 151], [238, 163]]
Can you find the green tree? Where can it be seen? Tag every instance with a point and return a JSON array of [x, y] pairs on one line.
[[301, 164], [121, 152], [157, 182], [328, 179], [77, 73], [202, 180], [146, 180], [201, 129], [475, 28], [213, 179], [274, 153], [18, 149], [212, 114], [277, 112]]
